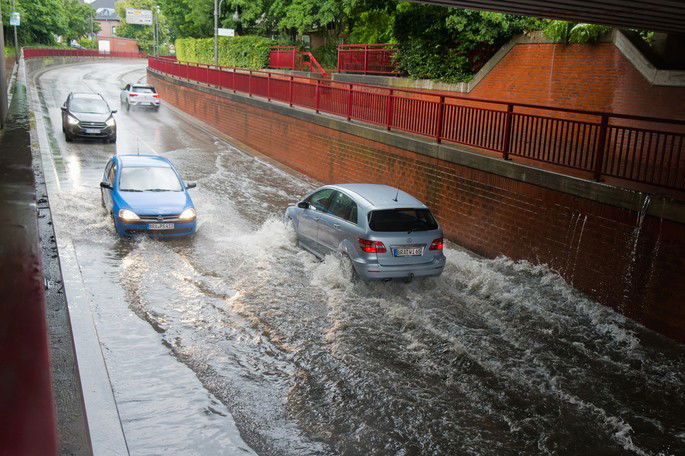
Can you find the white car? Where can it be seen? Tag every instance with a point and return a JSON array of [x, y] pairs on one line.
[[139, 95]]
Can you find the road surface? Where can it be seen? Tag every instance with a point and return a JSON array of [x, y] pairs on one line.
[[236, 341]]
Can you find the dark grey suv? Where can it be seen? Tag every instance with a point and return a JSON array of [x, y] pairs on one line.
[[87, 115]]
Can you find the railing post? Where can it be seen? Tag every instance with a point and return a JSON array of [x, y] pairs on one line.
[[338, 58], [349, 103], [317, 96], [234, 85], [249, 84], [268, 87], [441, 115], [366, 59], [507, 132], [601, 143], [388, 110], [290, 92]]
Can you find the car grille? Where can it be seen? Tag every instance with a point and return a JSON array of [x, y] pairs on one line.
[[85, 124], [158, 218]]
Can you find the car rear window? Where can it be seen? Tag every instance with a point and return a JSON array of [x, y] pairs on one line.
[[150, 179], [402, 220], [143, 89]]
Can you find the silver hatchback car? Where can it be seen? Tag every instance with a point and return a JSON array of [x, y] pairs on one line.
[[385, 232]]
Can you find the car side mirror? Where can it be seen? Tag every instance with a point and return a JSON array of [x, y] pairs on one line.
[[64, 108], [191, 184], [303, 205], [105, 184], [114, 111]]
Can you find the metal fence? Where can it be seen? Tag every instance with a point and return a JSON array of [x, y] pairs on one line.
[[283, 57], [48, 52], [367, 58], [636, 148]]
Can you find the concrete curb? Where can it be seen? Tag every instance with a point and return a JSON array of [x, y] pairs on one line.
[[104, 423]]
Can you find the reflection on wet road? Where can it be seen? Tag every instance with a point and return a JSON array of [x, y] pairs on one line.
[[237, 323]]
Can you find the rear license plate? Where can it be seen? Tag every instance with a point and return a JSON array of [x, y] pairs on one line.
[[411, 251], [93, 131], [161, 226]]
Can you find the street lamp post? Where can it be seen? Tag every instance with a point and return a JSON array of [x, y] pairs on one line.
[[16, 46], [3, 91], [217, 10]]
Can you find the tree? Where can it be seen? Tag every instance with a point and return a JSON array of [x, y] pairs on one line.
[[78, 16], [143, 33], [572, 32]]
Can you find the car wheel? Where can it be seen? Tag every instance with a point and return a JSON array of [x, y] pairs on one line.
[[68, 137], [347, 268], [128, 106]]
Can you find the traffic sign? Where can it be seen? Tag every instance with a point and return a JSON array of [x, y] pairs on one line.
[[15, 19], [138, 16]]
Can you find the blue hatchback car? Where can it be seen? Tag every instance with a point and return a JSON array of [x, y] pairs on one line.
[[145, 194]]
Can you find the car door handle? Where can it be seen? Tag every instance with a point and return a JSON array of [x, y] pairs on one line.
[[336, 225], [317, 218]]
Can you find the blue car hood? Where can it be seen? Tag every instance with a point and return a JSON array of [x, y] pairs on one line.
[[156, 203]]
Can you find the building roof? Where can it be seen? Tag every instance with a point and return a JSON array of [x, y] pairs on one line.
[[104, 10]]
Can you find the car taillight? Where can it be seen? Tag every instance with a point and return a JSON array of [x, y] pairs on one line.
[[372, 246], [132, 94], [437, 244], [155, 96]]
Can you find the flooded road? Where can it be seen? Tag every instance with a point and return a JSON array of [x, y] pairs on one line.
[[237, 342]]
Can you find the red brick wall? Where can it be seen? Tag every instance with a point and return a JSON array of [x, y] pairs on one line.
[[120, 44], [597, 78], [590, 244]]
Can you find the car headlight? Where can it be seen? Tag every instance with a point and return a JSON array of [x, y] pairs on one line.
[[110, 122], [128, 216], [188, 215], [72, 120]]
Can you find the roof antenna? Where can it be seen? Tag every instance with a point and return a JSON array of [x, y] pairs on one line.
[[396, 195], [138, 144]]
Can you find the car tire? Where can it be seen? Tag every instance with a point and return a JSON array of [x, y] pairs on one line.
[[348, 269], [68, 137], [128, 106], [112, 140]]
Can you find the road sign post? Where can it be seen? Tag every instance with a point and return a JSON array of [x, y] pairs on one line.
[[3, 89]]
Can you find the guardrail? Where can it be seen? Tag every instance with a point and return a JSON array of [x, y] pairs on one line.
[[367, 58], [48, 52], [636, 148]]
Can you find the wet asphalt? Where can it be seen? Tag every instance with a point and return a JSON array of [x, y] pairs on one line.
[[237, 342]]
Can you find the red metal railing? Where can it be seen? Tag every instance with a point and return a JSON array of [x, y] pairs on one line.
[[636, 148], [289, 58], [367, 58], [283, 57], [47, 52]]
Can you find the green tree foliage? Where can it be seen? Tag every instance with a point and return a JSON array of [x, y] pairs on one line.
[[572, 32], [451, 44], [143, 33], [42, 21], [240, 51]]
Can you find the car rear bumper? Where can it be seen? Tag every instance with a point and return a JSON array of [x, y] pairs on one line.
[[373, 271], [131, 229], [146, 103]]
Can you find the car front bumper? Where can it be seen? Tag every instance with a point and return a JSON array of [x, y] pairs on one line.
[[80, 132], [371, 270], [132, 229]]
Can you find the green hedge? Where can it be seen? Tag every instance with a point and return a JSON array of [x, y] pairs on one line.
[[239, 51]]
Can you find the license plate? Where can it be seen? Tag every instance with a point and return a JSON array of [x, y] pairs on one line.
[[161, 226], [93, 131], [410, 251]]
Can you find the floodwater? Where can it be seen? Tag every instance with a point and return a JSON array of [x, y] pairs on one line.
[[237, 342]]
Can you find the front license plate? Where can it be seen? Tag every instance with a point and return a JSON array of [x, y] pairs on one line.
[[93, 131], [161, 226], [413, 251]]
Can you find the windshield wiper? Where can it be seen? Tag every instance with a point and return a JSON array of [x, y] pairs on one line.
[[158, 190], [129, 190]]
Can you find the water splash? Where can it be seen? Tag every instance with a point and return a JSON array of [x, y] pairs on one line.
[[633, 252]]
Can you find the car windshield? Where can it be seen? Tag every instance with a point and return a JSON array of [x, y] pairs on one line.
[[149, 179], [402, 220], [88, 106], [143, 89]]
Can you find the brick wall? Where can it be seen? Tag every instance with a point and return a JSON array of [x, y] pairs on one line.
[[591, 244], [596, 78]]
